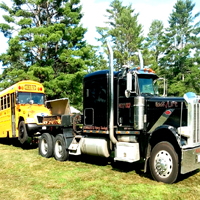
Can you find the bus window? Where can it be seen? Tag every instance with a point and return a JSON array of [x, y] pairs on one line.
[[8, 101], [1, 103], [4, 101], [38, 98], [25, 97]]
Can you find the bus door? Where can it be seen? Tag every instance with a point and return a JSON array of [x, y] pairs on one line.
[[13, 114]]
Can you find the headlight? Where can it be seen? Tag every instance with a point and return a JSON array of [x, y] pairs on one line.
[[30, 120]]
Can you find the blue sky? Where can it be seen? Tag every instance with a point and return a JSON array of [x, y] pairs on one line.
[[94, 11]]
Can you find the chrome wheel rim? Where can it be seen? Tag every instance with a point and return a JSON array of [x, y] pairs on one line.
[[44, 146], [163, 164], [58, 149]]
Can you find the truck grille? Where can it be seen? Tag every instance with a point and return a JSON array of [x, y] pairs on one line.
[[196, 117]]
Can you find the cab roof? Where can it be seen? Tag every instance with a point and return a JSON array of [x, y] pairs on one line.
[[138, 70]]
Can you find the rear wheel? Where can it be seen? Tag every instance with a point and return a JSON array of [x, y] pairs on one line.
[[46, 145], [60, 151], [23, 136], [164, 163]]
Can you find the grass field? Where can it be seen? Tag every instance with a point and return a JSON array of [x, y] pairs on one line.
[[26, 175]]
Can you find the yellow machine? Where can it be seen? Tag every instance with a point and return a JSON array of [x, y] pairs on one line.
[[22, 107]]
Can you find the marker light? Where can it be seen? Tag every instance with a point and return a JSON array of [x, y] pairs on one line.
[[20, 87], [39, 88], [150, 70]]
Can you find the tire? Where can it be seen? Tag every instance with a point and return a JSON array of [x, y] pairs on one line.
[[46, 145], [60, 151], [53, 143], [164, 163], [23, 136]]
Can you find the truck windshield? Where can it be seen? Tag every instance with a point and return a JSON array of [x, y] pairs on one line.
[[25, 97], [147, 86]]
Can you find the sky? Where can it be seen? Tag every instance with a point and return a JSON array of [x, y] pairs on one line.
[[95, 10], [149, 10]]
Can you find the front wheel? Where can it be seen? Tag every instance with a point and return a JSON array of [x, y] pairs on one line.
[[164, 163], [23, 135], [60, 151]]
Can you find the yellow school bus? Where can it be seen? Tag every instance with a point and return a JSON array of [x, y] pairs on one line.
[[22, 107]]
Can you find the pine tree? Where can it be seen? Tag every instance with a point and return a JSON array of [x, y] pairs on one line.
[[181, 39], [155, 37], [46, 44], [125, 33], [153, 46]]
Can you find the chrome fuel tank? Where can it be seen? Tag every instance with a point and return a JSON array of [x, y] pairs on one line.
[[96, 147], [139, 103]]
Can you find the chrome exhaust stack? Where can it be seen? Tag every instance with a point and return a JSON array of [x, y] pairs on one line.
[[141, 59], [111, 95]]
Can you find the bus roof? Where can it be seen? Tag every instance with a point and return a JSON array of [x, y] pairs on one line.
[[24, 86]]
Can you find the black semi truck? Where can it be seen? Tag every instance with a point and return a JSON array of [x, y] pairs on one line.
[[123, 114]]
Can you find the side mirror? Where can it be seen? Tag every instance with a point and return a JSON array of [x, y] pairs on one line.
[[17, 100]]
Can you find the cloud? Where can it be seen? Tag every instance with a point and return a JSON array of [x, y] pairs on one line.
[[149, 10]]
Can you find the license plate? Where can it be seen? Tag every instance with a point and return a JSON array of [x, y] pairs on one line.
[[44, 128]]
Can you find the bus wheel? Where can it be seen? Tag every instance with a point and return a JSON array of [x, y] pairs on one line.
[[164, 163], [46, 145], [23, 136], [60, 151]]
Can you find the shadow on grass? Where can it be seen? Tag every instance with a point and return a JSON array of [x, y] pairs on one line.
[[116, 166], [15, 142], [94, 160], [182, 177], [138, 167]]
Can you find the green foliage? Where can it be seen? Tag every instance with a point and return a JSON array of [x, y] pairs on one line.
[[48, 47], [181, 38], [125, 33]]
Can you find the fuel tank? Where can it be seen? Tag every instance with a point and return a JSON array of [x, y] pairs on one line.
[[96, 147]]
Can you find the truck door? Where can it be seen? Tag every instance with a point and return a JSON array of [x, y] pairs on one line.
[[125, 105], [13, 114]]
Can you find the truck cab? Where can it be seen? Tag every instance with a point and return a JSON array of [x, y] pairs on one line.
[[146, 125]]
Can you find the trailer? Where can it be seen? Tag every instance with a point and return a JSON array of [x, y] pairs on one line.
[[124, 115]]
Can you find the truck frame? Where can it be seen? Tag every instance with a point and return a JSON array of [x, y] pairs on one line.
[[123, 114]]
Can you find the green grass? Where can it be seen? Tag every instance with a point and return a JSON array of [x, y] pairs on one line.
[[26, 175]]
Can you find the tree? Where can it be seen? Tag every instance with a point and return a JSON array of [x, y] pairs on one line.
[[125, 33], [154, 38], [181, 39], [46, 44], [153, 45]]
